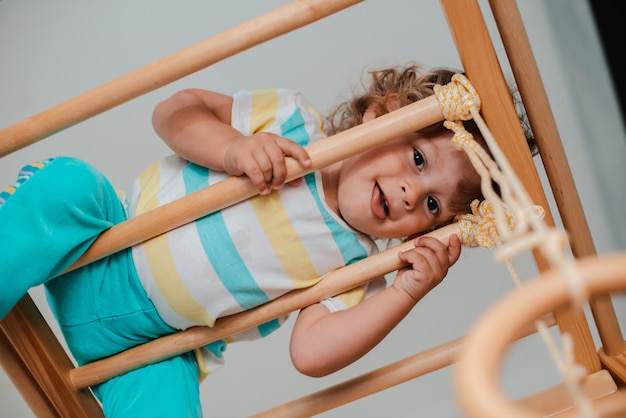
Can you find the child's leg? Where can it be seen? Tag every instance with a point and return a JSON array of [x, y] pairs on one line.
[[166, 389], [47, 222], [45, 225], [169, 388], [102, 309]]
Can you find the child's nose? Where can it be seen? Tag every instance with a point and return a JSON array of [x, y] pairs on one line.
[[409, 197]]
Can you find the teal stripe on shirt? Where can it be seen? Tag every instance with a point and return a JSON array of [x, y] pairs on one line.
[[224, 257], [294, 129], [351, 249]]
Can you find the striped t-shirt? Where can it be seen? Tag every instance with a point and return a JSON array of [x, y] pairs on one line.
[[254, 251]]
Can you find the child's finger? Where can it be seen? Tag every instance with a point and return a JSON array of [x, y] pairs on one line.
[[296, 182], [260, 170], [278, 167], [425, 260], [296, 152], [454, 248], [439, 249]]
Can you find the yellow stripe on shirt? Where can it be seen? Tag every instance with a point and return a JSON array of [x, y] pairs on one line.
[[352, 297], [284, 239], [170, 284], [264, 109], [149, 185], [160, 260]]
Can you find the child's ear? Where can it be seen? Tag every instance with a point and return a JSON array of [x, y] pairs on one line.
[[390, 103], [370, 114]]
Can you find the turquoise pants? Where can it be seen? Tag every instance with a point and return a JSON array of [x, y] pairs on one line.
[[51, 216]]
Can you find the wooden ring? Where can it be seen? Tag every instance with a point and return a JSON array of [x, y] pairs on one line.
[[476, 376]]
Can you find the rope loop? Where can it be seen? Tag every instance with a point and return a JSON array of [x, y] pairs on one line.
[[457, 98]]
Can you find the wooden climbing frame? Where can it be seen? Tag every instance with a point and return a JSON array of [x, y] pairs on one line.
[[52, 386]]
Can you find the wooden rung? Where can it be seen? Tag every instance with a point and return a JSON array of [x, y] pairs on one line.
[[340, 146], [377, 380], [367, 384], [335, 282], [553, 401], [166, 70]]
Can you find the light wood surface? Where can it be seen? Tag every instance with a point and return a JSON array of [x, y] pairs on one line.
[[39, 367]]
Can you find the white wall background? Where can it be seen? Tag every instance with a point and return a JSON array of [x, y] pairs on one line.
[[53, 51]]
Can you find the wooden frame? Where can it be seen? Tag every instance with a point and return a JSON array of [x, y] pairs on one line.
[[55, 388]]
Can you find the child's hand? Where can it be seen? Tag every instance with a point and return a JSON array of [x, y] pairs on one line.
[[429, 263], [261, 157]]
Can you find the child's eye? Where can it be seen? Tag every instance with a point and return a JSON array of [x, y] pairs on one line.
[[418, 158], [433, 205]]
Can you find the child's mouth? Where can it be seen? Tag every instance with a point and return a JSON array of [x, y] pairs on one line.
[[379, 204]]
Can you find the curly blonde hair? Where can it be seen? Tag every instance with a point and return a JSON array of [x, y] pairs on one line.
[[405, 85], [400, 86]]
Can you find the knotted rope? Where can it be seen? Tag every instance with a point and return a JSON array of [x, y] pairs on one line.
[[509, 221]]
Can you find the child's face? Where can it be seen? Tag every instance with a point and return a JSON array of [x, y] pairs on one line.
[[403, 187]]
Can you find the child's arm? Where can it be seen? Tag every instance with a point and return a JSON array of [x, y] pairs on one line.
[[195, 124], [323, 342]]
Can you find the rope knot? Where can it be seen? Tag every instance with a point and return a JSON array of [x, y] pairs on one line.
[[462, 139], [457, 98], [480, 227]]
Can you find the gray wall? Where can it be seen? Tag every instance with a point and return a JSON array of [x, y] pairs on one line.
[[53, 51]]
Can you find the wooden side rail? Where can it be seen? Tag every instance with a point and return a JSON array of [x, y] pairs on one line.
[[483, 69], [39, 367], [532, 91]]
